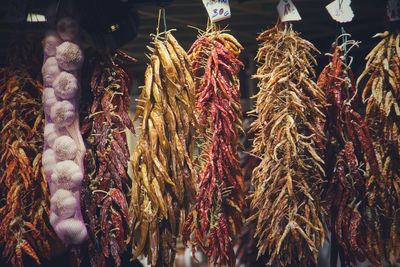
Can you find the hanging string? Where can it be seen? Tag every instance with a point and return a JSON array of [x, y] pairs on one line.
[[345, 39], [286, 27], [161, 13], [164, 19], [158, 22]]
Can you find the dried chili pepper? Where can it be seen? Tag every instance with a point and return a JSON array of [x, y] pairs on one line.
[[381, 93], [106, 183], [351, 165], [289, 141], [163, 183], [25, 231], [216, 217]]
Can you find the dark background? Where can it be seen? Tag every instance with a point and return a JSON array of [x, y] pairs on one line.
[[249, 18]]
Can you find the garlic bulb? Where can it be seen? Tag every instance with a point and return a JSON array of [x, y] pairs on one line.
[[48, 99], [67, 175], [68, 28], [50, 43], [62, 113], [65, 148], [50, 70], [71, 231], [65, 85], [69, 56], [53, 218], [51, 133], [64, 204], [49, 161]]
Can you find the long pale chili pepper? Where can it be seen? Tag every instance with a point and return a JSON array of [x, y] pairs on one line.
[[163, 182]]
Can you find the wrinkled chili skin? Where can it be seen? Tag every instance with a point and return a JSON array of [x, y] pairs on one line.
[[216, 217], [351, 163], [106, 182]]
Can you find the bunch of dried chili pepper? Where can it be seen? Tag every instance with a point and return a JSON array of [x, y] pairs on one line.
[[25, 232], [106, 183], [163, 173], [381, 94], [353, 173], [289, 140], [216, 217]]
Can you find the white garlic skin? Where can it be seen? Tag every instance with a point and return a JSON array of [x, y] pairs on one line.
[[68, 28], [51, 133], [50, 43], [71, 231], [53, 218], [48, 99], [63, 204], [65, 148], [50, 70], [49, 161], [67, 175], [65, 85], [69, 56], [62, 113]]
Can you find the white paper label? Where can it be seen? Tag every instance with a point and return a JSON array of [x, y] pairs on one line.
[[393, 10], [217, 9], [340, 10], [287, 11]]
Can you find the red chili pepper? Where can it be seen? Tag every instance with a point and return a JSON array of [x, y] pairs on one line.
[[221, 174], [355, 165]]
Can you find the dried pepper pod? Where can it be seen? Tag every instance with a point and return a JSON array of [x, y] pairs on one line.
[[353, 175], [381, 93], [106, 183], [25, 231], [216, 217], [163, 184], [289, 140]]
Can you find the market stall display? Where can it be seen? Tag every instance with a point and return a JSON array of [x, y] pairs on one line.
[[106, 183], [216, 216], [309, 176], [163, 184], [290, 142]]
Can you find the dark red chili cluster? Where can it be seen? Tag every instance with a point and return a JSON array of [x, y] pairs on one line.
[[352, 169], [106, 183]]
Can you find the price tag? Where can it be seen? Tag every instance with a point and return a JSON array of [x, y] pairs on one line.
[[393, 10], [217, 9], [287, 11], [340, 10]]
